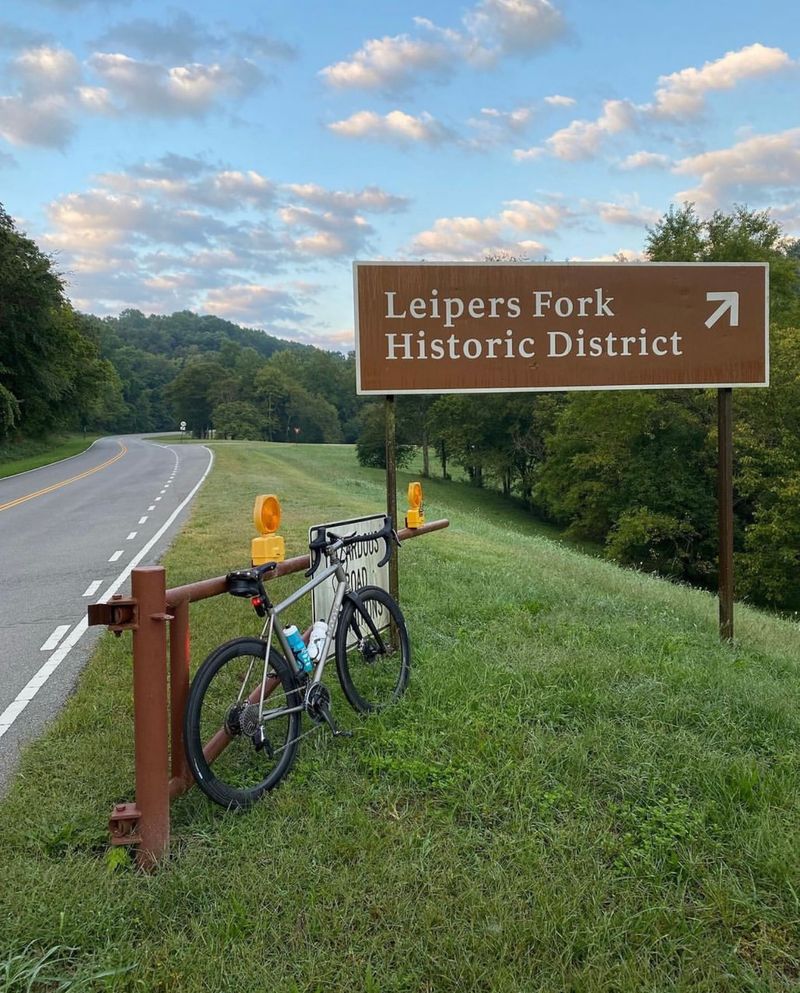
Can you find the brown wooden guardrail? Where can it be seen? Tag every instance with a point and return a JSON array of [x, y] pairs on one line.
[[161, 769]]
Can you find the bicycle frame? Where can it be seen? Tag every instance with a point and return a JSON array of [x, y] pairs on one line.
[[336, 568]]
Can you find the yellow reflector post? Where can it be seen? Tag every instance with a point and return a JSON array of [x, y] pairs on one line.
[[269, 547], [416, 515]]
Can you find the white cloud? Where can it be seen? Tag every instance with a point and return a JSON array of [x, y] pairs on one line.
[[43, 121], [224, 189], [474, 237], [325, 234], [371, 198], [763, 168], [582, 139], [514, 120], [683, 93], [525, 215], [515, 27], [173, 91], [52, 91], [395, 126], [556, 100], [490, 30], [388, 63], [96, 99], [46, 70], [629, 213], [527, 154], [678, 97], [253, 304], [645, 160], [177, 39], [458, 237], [41, 111]]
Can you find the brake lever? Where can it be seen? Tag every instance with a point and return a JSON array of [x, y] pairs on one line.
[[314, 563], [388, 554]]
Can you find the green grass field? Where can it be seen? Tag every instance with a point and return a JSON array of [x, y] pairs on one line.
[[583, 790], [32, 454]]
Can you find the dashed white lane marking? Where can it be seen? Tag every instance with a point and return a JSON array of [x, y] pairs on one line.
[[132, 535], [151, 507], [115, 556], [55, 637], [163, 491], [29, 691], [157, 499], [142, 520], [92, 588]]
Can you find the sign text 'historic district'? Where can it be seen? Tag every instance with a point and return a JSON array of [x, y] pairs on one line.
[[472, 327]]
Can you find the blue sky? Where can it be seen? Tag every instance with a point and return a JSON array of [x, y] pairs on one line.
[[234, 159]]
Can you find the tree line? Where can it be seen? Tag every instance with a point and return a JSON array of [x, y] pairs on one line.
[[631, 471]]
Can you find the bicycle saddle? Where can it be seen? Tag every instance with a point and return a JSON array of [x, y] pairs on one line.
[[247, 582]]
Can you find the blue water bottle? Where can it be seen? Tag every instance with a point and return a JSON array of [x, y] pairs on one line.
[[297, 645]]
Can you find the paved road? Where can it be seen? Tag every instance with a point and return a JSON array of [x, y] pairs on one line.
[[69, 535]]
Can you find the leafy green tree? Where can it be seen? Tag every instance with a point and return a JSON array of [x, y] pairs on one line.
[[191, 393], [52, 375], [310, 418], [371, 444], [237, 419]]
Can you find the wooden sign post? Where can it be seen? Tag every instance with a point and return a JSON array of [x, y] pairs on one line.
[[510, 327]]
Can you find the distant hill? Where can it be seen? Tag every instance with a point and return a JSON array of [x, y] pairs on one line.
[[185, 333]]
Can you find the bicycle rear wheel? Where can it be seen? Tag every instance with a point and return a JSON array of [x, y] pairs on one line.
[[223, 708], [373, 655]]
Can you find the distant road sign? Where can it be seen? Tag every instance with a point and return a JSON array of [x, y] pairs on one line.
[[183, 425], [361, 565], [475, 327]]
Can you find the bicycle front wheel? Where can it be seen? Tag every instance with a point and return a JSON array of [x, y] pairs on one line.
[[373, 655], [246, 752]]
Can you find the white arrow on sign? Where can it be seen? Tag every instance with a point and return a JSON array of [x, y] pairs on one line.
[[730, 302]]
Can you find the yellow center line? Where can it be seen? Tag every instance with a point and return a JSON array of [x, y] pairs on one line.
[[65, 482]]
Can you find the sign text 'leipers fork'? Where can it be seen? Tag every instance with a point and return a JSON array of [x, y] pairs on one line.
[[501, 327]]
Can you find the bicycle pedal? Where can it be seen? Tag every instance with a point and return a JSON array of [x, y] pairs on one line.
[[335, 730]]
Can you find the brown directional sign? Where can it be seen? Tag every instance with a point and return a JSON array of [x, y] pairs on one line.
[[473, 328]]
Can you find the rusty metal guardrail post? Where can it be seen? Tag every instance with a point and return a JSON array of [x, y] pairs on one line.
[[148, 586], [179, 658]]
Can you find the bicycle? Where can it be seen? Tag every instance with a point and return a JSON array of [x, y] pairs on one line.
[[251, 730]]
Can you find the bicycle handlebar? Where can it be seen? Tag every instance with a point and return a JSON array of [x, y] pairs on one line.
[[333, 542]]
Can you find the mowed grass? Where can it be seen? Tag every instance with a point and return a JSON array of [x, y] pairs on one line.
[[582, 790], [32, 454]]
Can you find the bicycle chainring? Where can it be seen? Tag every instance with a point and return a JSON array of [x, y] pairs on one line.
[[318, 700]]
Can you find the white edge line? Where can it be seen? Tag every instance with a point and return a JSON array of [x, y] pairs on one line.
[[55, 637], [69, 458], [32, 687]]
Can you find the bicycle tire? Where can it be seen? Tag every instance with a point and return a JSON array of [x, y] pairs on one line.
[[372, 679], [241, 774]]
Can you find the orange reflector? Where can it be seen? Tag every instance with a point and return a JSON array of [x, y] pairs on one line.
[[267, 514]]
